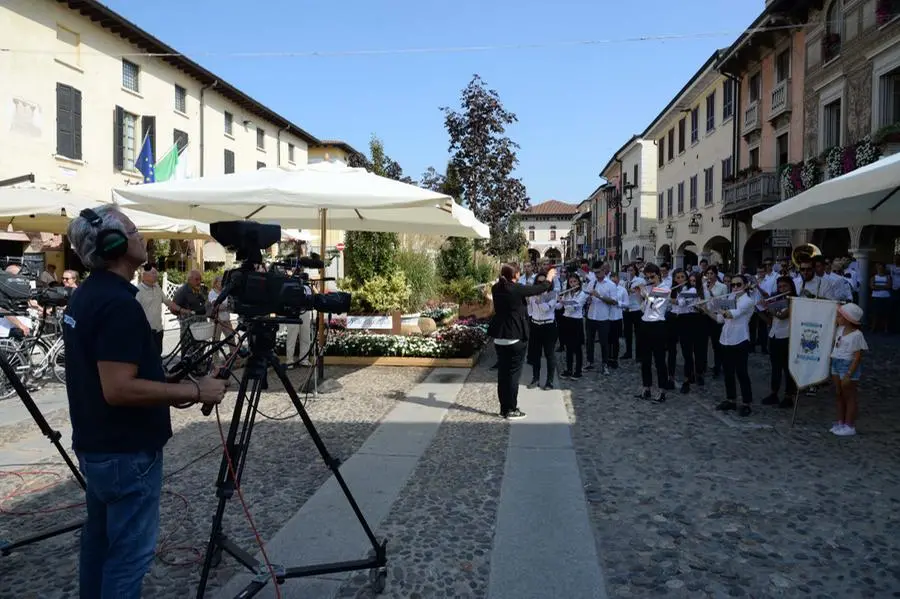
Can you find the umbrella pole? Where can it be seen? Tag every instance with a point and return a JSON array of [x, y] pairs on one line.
[[320, 360]]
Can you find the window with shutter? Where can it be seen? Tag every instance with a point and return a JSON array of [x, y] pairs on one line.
[[64, 136], [180, 138], [118, 138], [148, 129], [229, 162]]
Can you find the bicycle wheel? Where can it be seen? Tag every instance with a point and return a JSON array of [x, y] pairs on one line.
[[17, 361], [58, 363]]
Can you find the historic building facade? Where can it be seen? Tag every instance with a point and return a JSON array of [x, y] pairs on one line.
[[547, 226]]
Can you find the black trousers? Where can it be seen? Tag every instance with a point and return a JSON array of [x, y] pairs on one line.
[[158, 339], [509, 371], [734, 364], [615, 333], [597, 330], [715, 333], [759, 331], [693, 341], [671, 343], [542, 342], [778, 359], [571, 333], [653, 348], [632, 321]]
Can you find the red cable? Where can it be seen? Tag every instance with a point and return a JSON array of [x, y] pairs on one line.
[[249, 517]]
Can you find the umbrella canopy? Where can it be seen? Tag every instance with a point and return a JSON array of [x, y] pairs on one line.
[[295, 235], [355, 200], [49, 210], [870, 195]]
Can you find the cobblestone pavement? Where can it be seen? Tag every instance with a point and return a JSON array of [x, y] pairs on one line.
[[441, 529], [688, 502], [283, 471]]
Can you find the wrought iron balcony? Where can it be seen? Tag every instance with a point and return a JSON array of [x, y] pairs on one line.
[[751, 118], [756, 190], [781, 99]]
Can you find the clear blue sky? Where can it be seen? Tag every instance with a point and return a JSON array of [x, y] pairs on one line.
[[576, 105]]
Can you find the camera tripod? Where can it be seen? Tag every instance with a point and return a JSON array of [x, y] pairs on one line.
[[261, 334], [54, 435]]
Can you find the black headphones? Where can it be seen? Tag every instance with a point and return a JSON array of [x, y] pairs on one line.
[[111, 243]]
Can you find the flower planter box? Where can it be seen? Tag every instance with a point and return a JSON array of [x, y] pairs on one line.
[[402, 361]]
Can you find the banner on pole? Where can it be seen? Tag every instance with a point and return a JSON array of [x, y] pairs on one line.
[[811, 339]]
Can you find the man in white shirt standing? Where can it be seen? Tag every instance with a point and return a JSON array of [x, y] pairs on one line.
[[603, 293], [151, 298]]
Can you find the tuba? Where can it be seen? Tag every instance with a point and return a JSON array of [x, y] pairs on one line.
[[804, 253]]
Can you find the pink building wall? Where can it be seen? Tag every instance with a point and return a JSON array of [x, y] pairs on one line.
[[767, 157]]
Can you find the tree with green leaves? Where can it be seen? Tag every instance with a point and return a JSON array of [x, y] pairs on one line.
[[483, 158], [454, 260], [370, 254]]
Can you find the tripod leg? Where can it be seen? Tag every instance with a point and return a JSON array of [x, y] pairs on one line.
[[332, 463], [225, 482]]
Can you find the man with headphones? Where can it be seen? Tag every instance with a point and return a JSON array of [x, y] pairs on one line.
[[119, 406]]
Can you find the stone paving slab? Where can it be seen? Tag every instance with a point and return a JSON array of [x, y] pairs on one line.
[[544, 545], [325, 529]]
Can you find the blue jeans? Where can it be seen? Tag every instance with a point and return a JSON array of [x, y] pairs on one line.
[[118, 539]]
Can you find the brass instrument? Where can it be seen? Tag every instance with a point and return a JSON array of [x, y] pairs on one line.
[[804, 253]]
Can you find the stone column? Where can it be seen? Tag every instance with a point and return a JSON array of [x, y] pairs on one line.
[[862, 263]]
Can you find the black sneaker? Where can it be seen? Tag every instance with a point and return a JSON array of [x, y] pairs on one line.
[[727, 405], [565, 374], [645, 394], [548, 387], [534, 384], [516, 414], [660, 397], [577, 375], [589, 367], [700, 381], [770, 400], [685, 387], [744, 410]]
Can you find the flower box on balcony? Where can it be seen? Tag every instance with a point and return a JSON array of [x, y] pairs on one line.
[[886, 11]]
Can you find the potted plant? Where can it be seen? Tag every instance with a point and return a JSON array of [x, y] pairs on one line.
[[791, 180], [810, 173], [866, 152], [888, 139]]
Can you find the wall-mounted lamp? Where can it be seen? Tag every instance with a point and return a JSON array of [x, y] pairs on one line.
[[628, 192], [652, 235], [726, 222], [670, 231], [247, 122], [694, 225]]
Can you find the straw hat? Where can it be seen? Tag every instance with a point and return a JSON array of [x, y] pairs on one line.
[[851, 312]]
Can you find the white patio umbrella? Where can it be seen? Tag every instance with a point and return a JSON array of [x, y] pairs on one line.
[[352, 199], [870, 195], [295, 235], [49, 210]]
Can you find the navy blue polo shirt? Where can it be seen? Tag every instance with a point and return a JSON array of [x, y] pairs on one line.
[[105, 323]]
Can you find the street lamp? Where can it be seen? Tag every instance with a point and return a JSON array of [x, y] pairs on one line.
[[670, 231], [726, 222], [694, 225], [627, 192]]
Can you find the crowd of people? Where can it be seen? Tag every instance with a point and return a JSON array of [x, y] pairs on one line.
[[668, 320]]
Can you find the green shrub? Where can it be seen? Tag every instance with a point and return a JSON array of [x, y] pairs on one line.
[[381, 294], [462, 291], [418, 267], [369, 255], [455, 259], [483, 271]]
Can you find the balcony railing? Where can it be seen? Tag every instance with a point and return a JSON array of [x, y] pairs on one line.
[[751, 117], [759, 190], [781, 98]]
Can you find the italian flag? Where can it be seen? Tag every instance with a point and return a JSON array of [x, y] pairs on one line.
[[171, 166]]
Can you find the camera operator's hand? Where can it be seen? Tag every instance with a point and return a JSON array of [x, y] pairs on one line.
[[211, 390]]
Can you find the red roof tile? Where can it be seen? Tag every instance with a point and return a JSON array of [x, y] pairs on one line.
[[551, 207]]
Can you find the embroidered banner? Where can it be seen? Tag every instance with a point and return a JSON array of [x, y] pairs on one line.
[[812, 335]]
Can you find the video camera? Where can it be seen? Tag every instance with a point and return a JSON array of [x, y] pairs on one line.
[[258, 293], [16, 290]]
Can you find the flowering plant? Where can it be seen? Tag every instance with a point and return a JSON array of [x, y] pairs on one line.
[[810, 173], [848, 159], [453, 342], [791, 179], [866, 152], [440, 314], [834, 162]]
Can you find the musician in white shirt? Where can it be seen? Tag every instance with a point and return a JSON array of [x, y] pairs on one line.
[[571, 326], [735, 344], [602, 292], [714, 287], [691, 327], [616, 314], [778, 313], [631, 319], [543, 334], [654, 306]]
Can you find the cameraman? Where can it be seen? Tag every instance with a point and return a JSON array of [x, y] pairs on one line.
[[119, 406]]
